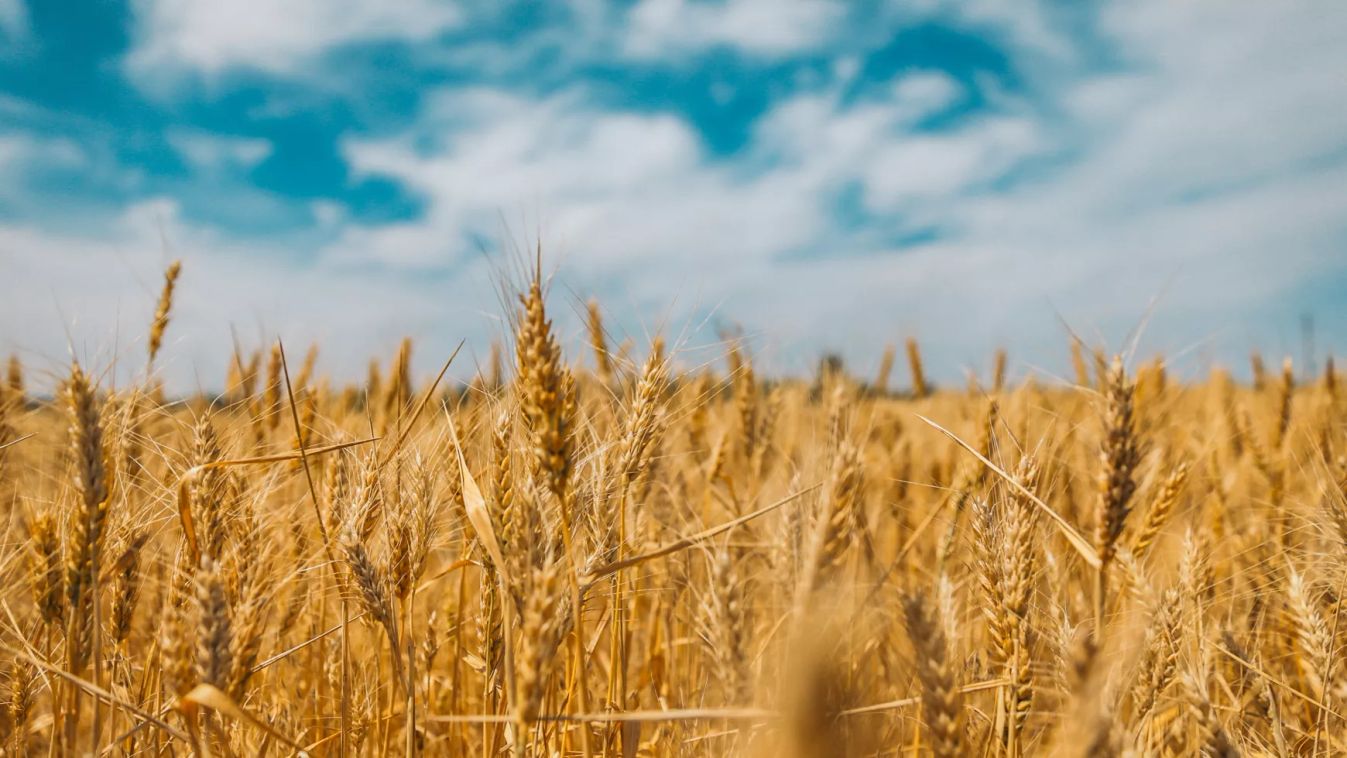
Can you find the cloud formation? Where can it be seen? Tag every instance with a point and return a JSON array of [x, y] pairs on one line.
[[13, 20], [824, 177], [661, 28], [209, 38]]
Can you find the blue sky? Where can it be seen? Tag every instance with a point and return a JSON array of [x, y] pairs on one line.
[[822, 175]]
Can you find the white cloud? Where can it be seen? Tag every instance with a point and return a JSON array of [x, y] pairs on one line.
[[209, 37], [22, 155], [622, 190], [24, 151], [900, 168], [659, 28], [1028, 25], [938, 168], [555, 158], [13, 20], [925, 93], [214, 152], [1254, 95]]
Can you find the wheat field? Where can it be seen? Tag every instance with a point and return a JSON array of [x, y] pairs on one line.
[[619, 553]]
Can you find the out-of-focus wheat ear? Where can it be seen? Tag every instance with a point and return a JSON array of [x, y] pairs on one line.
[[718, 461], [1163, 505], [836, 524], [1080, 368], [46, 567], [764, 455], [1335, 503], [495, 367], [724, 624], [999, 370], [1257, 370], [215, 635], [411, 529], [539, 636], [1331, 382], [1119, 455], [234, 377], [337, 488], [882, 377], [126, 581], [746, 407], [598, 341], [642, 424], [251, 372], [1101, 366], [1159, 660], [271, 391], [14, 380], [367, 505], [1216, 741], [919, 388], [1195, 572], [1136, 582], [949, 540], [22, 692], [988, 443], [129, 435], [696, 399], [1223, 386], [1104, 738], [308, 412], [374, 593], [374, 390], [1286, 390], [1257, 700], [1075, 652], [256, 399], [22, 678], [162, 309], [1151, 379], [1313, 642], [400, 390], [306, 368], [818, 690], [9, 411], [838, 423], [299, 555], [248, 626], [244, 559], [941, 698], [734, 355], [658, 350], [176, 657], [1168, 731]]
